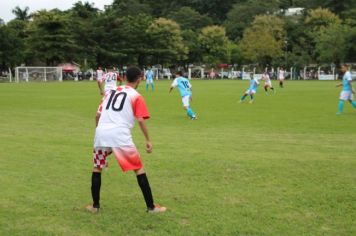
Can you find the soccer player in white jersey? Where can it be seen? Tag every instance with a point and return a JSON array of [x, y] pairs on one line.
[[347, 93], [281, 76], [115, 118], [109, 80], [268, 83], [99, 76], [149, 79], [185, 90], [252, 89]]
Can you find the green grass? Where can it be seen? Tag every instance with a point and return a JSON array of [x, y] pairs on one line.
[[284, 165]]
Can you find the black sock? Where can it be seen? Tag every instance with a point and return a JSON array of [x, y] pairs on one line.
[[146, 190], [266, 89], [272, 88], [95, 188], [251, 97]]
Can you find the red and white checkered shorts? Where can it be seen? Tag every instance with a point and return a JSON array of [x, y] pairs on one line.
[[127, 157]]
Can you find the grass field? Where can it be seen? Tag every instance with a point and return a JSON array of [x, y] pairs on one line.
[[285, 165]]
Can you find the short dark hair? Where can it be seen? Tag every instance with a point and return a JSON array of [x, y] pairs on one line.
[[133, 74], [180, 73]]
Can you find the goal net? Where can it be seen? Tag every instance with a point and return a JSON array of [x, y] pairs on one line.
[[38, 74]]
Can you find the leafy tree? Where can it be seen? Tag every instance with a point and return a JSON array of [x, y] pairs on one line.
[[11, 47], [263, 42], [131, 38], [335, 35], [130, 8], [188, 18], [167, 41], [191, 40], [242, 14], [320, 19], [49, 41], [214, 43], [81, 28]]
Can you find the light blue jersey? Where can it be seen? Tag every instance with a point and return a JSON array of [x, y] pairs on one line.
[[346, 82], [183, 85], [149, 75], [253, 84]]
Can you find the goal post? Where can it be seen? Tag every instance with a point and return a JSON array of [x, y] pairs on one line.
[[38, 74]]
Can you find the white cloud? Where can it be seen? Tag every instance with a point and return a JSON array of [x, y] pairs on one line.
[[6, 6]]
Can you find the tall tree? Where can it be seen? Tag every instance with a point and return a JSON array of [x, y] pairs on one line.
[[189, 18], [166, 41], [21, 14], [49, 41], [214, 43], [242, 14], [263, 42]]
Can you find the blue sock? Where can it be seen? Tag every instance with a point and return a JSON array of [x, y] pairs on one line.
[[153, 87], [146, 87], [341, 106], [353, 103], [243, 97], [190, 112]]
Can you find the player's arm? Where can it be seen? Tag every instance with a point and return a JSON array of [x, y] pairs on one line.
[[97, 118], [352, 89], [143, 127], [173, 85]]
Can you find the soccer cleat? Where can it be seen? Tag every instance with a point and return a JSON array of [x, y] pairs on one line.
[[157, 209], [194, 118], [338, 113], [240, 101], [92, 209], [251, 102]]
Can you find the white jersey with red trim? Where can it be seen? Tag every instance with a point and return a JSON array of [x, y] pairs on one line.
[[99, 74], [119, 109], [281, 74], [110, 80]]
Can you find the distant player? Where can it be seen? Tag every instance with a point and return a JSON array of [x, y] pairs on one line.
[[108, 82], [252, 89], [281, 76], [149, 79], [347, 93], [268, 83], [185, 90], [99, 77], [115, 118]]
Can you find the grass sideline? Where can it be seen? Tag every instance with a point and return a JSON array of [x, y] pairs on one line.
[[284, 165]]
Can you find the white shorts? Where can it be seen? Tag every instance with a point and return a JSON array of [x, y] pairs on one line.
[[149, 81], [186, 100], [346, 95], [269, 83], [250, 91]]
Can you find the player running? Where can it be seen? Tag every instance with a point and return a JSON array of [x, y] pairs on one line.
[[281, 77], [347, 93], [149, 79], [185, 90], [108, 82], [115, 118], [252, 89], [268, 83]]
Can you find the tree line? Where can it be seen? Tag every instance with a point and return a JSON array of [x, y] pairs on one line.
[[147, 32]]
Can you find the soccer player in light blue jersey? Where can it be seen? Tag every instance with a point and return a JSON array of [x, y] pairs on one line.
[[347, 93], [252, 89], [149, 79], [185, 90]]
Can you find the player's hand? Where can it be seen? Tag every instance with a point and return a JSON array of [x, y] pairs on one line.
[[149, 147]]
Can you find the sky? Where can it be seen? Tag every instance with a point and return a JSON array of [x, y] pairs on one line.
[[6, 6]]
